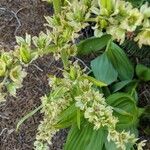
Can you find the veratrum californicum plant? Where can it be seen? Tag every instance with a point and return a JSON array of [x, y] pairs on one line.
[[75, 88], [115, 17]]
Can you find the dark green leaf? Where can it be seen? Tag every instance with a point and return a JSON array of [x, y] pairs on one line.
[[124, 108], [131, 89], [143, 72], [103, 69], [119, 85], [93, 44], [120, 62], [85, 138]]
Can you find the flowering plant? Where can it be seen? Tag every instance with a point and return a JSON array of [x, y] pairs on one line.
[[100, 105]]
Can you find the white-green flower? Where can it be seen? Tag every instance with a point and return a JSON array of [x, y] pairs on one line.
[[133, 20], [17, 74], [143, 38], [12, 88], [141, 145], [105, 7], [121, 8], [121, 138], [145, 10], [7, 58], [42, 42], [117, 33]]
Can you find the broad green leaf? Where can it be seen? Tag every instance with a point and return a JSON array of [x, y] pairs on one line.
[[103, 69], [143, 72], [119, 85], [85, 138], [93, 44], [27, 116], [137, 3], [131, 89], [120, 62], [124, 108]]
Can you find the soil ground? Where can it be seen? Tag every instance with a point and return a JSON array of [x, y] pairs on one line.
[[30, 14]]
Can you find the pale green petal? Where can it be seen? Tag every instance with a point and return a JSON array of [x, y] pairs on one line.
[[117, 33], [143, 38], [7, 58], [133, 20], [17, 74]]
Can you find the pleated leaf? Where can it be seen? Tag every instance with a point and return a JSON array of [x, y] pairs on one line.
[[120, 62], [85, 138], [103, 69], [93, 44], [124, 108]]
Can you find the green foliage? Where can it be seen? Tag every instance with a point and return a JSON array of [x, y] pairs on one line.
[[85, 138], [120, 85], [103, 69], [125, 109], [57, 6], [92, 44], [120, 62], [143, 72]]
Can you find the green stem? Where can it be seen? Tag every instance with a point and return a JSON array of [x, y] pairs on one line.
[[57, 6]]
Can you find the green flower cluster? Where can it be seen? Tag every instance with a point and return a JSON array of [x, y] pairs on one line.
[[11, 74], [58, 100], [119, 17], [66, 26], [115, 17], [13, 63], [76, 88]]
